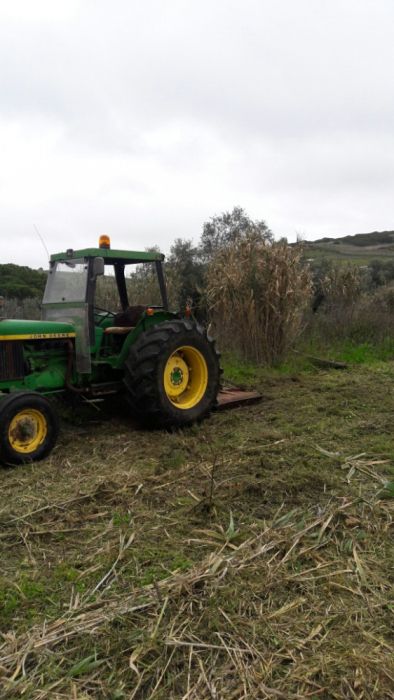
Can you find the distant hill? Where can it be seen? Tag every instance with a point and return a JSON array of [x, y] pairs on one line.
[[360, 248], [17, 282], [362, 239]]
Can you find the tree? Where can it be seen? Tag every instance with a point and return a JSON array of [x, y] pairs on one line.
[[186, 272], [229, 228], [21, 282], [381, 272]]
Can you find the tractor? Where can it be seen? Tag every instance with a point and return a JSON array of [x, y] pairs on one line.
[[162, 361]]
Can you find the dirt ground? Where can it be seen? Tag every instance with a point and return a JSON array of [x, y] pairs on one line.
[[248, 557]]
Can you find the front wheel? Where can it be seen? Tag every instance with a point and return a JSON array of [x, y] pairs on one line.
[[172, 374], [28, 428]]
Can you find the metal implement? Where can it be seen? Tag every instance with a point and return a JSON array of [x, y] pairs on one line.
[[232, 396]]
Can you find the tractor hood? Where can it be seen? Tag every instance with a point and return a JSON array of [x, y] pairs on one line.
[[34, 330]]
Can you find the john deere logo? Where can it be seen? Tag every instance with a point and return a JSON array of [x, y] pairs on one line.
[[176, 376]]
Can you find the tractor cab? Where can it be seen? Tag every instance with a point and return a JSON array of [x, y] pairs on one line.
[[71, 296]]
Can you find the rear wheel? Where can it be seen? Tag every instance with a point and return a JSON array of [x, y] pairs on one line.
[[172, 374], [28, 428]]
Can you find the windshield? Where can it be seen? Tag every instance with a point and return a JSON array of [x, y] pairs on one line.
[[67, 282]]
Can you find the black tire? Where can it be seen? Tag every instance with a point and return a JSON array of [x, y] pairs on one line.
[[144, 373], [29, 428]]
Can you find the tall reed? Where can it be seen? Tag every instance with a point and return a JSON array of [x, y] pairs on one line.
[[257, 292]]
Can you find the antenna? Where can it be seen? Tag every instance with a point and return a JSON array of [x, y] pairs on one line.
[[42, 240]]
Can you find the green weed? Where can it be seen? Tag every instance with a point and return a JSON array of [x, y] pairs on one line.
[[119, 519]]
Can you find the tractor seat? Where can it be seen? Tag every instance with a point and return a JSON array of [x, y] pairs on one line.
[[129, 317], [118, 330]]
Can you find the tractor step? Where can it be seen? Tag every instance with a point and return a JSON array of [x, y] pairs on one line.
[[105, 388], [232, 396]]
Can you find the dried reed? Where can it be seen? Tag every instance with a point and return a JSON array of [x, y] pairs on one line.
[[256, 293]]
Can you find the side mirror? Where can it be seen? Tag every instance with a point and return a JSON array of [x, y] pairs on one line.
[[98, 267]]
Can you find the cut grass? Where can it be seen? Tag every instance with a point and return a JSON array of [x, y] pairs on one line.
[[248, 557]]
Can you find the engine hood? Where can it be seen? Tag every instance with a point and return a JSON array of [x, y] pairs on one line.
[[34, 330]]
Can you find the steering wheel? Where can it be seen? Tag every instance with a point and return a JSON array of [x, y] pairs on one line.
[[99, 318]]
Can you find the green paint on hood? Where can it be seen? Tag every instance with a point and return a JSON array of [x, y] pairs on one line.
[[34, 329]]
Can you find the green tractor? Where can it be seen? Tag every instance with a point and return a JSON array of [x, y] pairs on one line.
[[163, 362]]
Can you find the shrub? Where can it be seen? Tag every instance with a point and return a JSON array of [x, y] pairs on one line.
[[22, 308], [337, 296], [357, 317], [342, 287]]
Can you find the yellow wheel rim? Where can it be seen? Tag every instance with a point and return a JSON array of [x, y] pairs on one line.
[[185, 377], [27, 430]]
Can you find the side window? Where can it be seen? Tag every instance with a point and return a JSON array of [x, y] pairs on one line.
[[143, 285], [107, 296]]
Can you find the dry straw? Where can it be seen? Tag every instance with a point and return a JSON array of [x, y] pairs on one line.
[[232, 662], [296, 607]]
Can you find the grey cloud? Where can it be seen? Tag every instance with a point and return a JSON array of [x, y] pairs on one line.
[[153, 116]]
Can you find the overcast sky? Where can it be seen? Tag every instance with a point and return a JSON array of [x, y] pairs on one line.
[[143, 118]]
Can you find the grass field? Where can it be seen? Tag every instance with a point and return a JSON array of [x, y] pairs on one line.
[[248, 557]]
